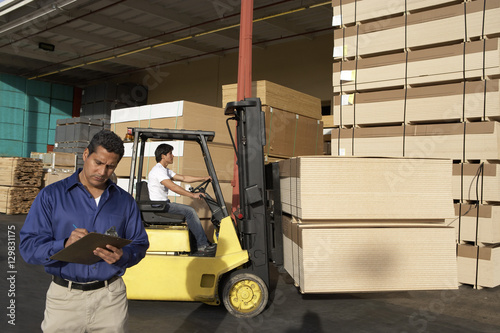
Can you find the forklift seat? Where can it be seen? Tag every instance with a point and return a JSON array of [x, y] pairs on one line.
[[155, 212]]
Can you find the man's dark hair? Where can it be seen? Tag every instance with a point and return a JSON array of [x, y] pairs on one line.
[[162, 149], [109, 141]]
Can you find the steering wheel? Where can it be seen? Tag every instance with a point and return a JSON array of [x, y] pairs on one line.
[[215, 208], [201, 188]]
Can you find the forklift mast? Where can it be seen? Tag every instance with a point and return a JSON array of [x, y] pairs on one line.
[[252, 217]]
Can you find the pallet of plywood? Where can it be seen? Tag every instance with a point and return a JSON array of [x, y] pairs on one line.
[[373, 257], [418, 30], [173, 115], [369, 141], [177, 115], [479, 265], [435, 103], [427, 66], [476, 182], [16, 200], [380, 108], [469, 100], [430, 141], [289, 134], [478, 223], [19, 171], [352, 188], [277, 96], [482, 141], [351, 11]]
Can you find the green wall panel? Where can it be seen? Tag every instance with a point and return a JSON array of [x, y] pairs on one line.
[[11, 115], [9, 148]]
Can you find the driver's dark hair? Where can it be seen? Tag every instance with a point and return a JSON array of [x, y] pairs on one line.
[[109, 141], [162, 149]]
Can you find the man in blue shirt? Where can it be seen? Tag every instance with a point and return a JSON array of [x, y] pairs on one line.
[[85, 297]]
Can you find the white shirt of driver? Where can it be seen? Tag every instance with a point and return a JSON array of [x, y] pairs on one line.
[[157, 191]]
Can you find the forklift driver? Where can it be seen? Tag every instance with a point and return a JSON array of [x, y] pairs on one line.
[[161, 180]]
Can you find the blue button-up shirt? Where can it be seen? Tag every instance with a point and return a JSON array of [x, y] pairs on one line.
[[61, 206]]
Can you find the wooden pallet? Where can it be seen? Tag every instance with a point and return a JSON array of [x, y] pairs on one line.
[[16, 200], [19, 171]]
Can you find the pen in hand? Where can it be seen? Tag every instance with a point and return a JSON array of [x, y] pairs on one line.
[[75, 235]]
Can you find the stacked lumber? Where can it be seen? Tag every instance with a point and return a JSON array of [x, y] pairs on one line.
[[20, 179], [188, 158], [21, 172], [401, 89], [357, 224], [17, 200], [293, 119]]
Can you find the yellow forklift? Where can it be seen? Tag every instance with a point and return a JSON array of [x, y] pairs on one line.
[[238, 274]]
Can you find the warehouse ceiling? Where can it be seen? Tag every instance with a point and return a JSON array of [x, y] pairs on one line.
[[80, 42]]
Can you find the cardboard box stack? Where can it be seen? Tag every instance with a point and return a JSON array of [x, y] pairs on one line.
[[293, 119], [368, 224], [401, 89], [20, 179]]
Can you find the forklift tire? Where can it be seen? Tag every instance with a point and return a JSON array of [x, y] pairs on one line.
[[245, 295]]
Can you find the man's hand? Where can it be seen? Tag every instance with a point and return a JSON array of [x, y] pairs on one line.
[[197, 195], [111, 255], [76, 235]]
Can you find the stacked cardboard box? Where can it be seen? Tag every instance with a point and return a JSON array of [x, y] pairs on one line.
[[368, 224], [20, 179], [400, 89], [293, 119]]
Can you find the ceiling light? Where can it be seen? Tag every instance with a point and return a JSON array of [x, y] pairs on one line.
[[35, 15], [46, 46], [13, 7]]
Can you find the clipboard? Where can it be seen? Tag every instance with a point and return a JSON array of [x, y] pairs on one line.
[[82, 251]]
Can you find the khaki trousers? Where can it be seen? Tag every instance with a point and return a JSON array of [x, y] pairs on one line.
[[77, 311]]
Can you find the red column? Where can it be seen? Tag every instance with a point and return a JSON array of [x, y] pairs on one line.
[[244, 89]]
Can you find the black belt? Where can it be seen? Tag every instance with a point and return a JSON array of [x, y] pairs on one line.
[[82, 286]]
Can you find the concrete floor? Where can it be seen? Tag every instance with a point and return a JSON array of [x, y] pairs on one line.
[[462, 310]]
